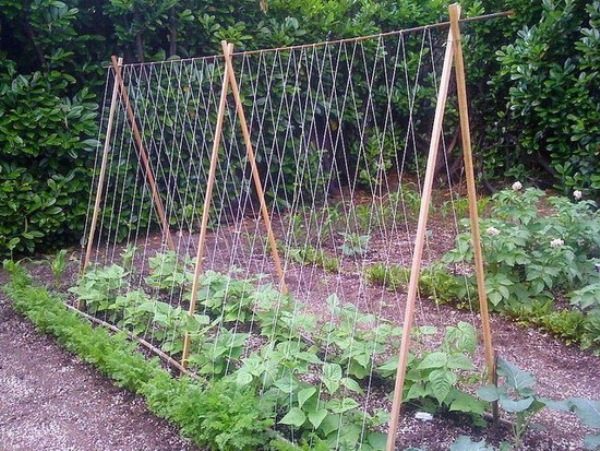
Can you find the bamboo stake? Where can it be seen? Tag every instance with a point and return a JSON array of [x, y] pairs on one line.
[[158, 204], [255, 174], [163, 355], [463, 109], [206, 209], [102, 175], [419, 243]]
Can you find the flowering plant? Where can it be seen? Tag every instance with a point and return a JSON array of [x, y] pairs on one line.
[[535, 246]]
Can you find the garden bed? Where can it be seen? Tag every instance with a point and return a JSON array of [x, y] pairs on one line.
[[561, 371]]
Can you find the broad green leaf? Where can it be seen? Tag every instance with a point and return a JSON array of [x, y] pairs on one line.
[[560, 405], [441, 382], [308, 357], [295, 417], [305, 394], [243, 378], [463, 402], [515, 405], [519, 380], [351, 384], [377, 440], [587, 410], [416, 391], [592, 442], [434, 360], [332, 375], [341, 406], [317, 416], [286, 384], [426, 330], [488, 393], [330, 424], [389, 367], [460, 362]]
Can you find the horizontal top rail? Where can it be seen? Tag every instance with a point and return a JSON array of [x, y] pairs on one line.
[[332, 42]]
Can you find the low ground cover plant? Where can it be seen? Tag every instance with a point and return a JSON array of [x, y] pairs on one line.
[[539, 251]]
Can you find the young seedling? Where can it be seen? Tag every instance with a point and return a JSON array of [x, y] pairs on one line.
[[58, 265]]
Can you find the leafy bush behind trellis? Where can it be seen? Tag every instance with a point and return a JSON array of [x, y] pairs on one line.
[[540, 107]]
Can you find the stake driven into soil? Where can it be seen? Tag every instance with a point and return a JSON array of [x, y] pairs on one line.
[[453, 51], [102, 174], [255, 174], [415, 270], [206, 208], [465, 133]]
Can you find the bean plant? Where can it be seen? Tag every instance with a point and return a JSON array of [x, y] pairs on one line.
[[313, 373]]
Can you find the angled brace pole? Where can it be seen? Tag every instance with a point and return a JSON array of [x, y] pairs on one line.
[[212, 173], [143, 156], [415, 270], [255, 174], [103, 164], [465, 134]]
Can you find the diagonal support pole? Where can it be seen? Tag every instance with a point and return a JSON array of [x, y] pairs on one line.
[[465, 134], [143, 156], [212, 172], [415, 270], [255, 173], [103, 164]]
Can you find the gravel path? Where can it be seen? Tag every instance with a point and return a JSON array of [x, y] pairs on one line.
[[50, 400]]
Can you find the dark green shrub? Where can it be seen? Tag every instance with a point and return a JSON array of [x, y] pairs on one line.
[[550, 122], [45, 139]]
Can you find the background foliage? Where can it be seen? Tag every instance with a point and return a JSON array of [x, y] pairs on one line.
[[535, 105]]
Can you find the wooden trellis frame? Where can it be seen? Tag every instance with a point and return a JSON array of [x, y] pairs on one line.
[[120, 90], [453, 56]]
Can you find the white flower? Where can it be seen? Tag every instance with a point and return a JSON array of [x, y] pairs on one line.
[[492, 231], [423, 416], [556, 243], [517, 186], [577, 195]]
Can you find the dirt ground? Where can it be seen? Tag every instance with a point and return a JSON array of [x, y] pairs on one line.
[[50, 400], [71, 407]]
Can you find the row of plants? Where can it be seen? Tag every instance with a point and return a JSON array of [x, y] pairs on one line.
[[350, 222], [296, 386], [316, 374], [542, 265], [214, 413]]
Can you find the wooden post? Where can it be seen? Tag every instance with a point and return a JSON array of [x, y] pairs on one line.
[[409, 312], [463, 109], [207, 203], [104, 161], [143, 156], [255, 174]]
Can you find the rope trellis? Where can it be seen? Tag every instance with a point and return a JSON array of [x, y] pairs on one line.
[[241, 200]]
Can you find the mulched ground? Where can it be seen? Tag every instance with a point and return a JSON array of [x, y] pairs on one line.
[[50, 400]]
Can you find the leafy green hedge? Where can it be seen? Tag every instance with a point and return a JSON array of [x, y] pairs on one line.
[[45, 142], [535, 106], [218, 414]]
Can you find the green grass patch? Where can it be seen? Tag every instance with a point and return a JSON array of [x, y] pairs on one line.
[[309, 255]]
